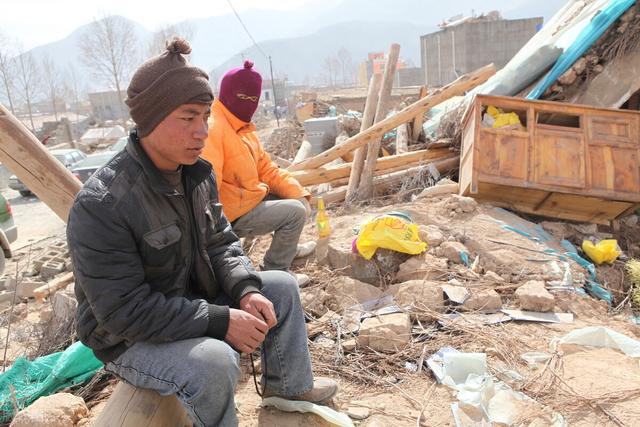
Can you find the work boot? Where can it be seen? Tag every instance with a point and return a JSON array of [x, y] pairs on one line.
[[305, 249], [323, 390]]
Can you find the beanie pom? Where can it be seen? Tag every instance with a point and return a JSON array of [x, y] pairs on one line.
[[178, 45], [248, 64]]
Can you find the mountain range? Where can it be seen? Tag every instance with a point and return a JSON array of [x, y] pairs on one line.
[[299, 41]]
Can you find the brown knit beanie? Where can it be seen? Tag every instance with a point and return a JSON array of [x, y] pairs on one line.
[[163, 83]]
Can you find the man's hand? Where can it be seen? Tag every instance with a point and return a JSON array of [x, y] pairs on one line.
[[259, 306], [306, 204], [245, 332]]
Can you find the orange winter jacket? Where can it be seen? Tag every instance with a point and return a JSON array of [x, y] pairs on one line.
[[244, 171]]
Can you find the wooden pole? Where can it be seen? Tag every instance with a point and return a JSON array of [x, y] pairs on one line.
[[458, 87], [402, 138], [25, 156], [365, 188], [367, 120], [327, 174], [34, 165], [416, 127]]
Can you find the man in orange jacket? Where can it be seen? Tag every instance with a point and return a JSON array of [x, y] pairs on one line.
[[257, 196]]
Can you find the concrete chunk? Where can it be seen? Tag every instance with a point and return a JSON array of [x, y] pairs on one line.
[[422, 267], [487, 300], [26, 287], [389, 333], [533, 296], [452, 251]]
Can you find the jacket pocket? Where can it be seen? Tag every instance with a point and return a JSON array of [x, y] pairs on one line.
[[160, 247]]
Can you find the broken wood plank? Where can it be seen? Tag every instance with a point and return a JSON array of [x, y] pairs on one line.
[[33, 164], [438, 190], [402, 138], [304, 152], [384, 182], [365, 188], [416, 125], [367, 120], [328, 174], [53, 286], [458, 87]]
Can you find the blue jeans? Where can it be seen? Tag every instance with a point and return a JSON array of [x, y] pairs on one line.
[[203, 372]]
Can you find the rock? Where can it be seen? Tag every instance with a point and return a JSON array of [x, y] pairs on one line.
[[592, 59], [580, 65], [349, 345], [417, 293], [452, 251], [64, 306], [7, 282], [388, 333], [588, 229], [559, 230], [487, 300], [598, 68], [422, 267], [494, 277], [358, 413], [46, 314], [461, 204], [557, 88], [568, 77], [432, 235], [533, 296], [58, 410], [631, 221], [385, 261], [345, 292], [313, 300], [26, 287]]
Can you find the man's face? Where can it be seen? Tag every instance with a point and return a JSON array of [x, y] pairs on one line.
[[179, 138]]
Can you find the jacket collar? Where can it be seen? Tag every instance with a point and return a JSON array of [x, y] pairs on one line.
[[196, 173], [237, 124]]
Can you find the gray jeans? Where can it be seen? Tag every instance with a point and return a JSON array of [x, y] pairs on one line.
[[203, 372], [285, 218]]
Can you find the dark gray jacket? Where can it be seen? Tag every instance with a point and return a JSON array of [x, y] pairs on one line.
[[138, 274]]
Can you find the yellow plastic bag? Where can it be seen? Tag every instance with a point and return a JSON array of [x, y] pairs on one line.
[[502, 119], [389, 232], [604, 251]]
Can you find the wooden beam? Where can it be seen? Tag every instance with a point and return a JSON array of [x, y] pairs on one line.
[[402, 138], [384, 182], [416, 125], [365, 188], [367, 120], [304, 152], [129, 406], [458, 87], [53, 286], [33, 164], [328, 174]]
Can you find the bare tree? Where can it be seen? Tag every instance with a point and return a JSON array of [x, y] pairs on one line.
[[162, 34], [331, 66], [109, 48], [72, 89], [53, 83], [7, 70], [344, 57], [28, 81]]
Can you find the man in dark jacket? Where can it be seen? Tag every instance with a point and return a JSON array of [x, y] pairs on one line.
[[166, 297]]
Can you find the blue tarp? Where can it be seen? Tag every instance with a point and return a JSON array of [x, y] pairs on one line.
[[587, 37]]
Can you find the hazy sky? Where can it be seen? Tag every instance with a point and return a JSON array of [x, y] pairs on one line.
[[35, 22]]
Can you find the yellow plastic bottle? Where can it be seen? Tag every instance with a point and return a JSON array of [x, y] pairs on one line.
[[322, 220]]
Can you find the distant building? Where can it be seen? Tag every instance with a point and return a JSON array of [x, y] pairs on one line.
[[375, 63], [108, 105], [46, 107], [467, 44]]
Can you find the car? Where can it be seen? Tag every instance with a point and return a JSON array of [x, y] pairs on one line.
[[87, 167], [8, 231], [68, 157]]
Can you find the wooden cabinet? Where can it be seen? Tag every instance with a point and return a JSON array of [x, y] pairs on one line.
[[567, 161]]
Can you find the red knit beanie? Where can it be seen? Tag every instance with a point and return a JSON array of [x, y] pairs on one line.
[[240, 91]]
